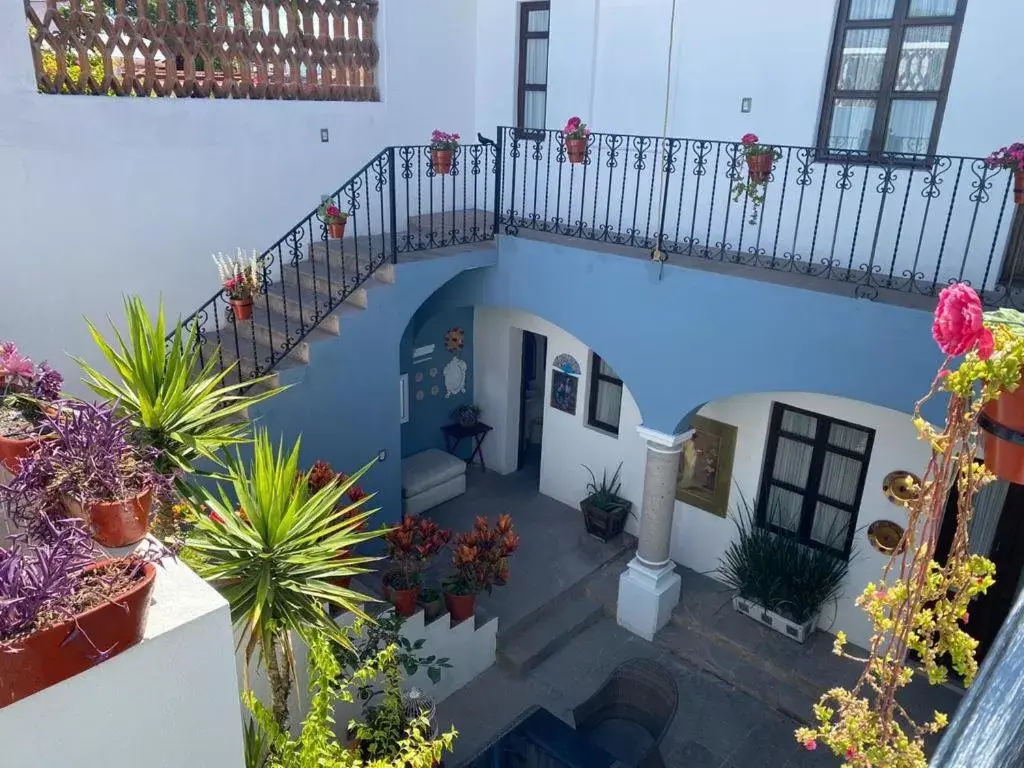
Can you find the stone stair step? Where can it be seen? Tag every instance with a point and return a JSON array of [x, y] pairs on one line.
[[545, 633], [246, 357], [313, 280], [282, 299], [346, 263]]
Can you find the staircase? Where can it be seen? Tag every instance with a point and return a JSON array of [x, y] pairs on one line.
[[398, 208]]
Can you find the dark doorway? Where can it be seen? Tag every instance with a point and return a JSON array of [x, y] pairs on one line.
[[997, 531], [531, 399]]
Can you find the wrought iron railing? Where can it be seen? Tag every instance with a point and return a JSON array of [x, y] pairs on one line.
[[396, 204], [906, 223]]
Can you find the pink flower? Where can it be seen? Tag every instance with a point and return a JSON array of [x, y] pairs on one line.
[[749, 138], [959, 326], [574, 123], [880, 594], [16, 365], [810, 745], [851, 753]]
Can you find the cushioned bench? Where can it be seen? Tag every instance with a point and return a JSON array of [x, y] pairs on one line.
[[430, 478]]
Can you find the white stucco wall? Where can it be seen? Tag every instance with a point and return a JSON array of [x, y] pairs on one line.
[[103, 196]]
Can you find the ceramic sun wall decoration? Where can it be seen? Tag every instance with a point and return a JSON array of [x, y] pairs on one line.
[[455, 377]]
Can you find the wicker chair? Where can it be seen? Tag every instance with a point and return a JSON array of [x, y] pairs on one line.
[[641, 693]]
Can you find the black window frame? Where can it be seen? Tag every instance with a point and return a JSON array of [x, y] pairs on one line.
[[596, 377], [525, 9], [886, 94], [820, 446]]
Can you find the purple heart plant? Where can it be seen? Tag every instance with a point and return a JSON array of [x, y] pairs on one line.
[[25, 390]]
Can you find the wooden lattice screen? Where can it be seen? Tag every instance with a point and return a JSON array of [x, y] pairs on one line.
[[242, 49]]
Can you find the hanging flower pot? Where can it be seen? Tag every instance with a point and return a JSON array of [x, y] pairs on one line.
[[242, 308], [441, 160], [576, 150], [336, 229], [1018, 187], [116, 523], [1003, 422], [404, 600], [63, 650], [759, 167]]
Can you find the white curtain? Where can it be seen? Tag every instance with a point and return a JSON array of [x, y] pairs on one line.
[[609, 403], [920, 8], [863, 59], [910, 125], [852, 121], [871, 9]]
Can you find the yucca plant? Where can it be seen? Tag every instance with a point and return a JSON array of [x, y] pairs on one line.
[[180, 407], [271, 547]]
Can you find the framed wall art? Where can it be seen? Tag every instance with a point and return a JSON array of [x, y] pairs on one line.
[[705, 466], [563, 392]]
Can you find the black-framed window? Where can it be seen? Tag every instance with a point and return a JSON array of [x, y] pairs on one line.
[[889, 76], [813, 477], [605, 396], [532, 86]]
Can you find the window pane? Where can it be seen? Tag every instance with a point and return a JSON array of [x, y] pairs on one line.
[[932, 8], [910, 126], [609, 402], [863, 59], [607, 370], [871, 9], [847, 437], [538, 21], [799, 423], [792, 462], [783, 508], [923, 58], [536, 61], [830, 526], [852, 120], [840, 476], [535, 105]]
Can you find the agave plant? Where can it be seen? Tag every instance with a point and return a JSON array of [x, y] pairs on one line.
[[181, 407], [272, 550]]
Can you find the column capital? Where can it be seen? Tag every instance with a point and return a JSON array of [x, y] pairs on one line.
[[662, 442]]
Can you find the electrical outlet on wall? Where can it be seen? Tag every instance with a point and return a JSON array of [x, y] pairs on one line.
[[745, 104], [325, 135]]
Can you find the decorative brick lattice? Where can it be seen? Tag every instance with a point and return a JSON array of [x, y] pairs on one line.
[[225, 49]]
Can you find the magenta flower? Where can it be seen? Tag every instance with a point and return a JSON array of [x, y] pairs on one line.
[[959, 323], [16, 365], [749, 138]]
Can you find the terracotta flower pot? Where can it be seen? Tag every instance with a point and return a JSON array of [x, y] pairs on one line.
[[1003, 422], [65, 649], [461, 607], [759, 167], [242, 308], [117, 523], [336, 230], [576, 149], [441, 159], [432, 609], [13, 450], [404, 600], [1018, 187]]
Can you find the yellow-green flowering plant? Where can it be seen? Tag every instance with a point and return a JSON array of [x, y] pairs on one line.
[[919, 605]]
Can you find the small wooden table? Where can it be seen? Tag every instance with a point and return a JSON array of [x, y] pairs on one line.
[[454, 434]]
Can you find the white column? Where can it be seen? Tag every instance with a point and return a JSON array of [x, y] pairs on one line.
[[649, 587]]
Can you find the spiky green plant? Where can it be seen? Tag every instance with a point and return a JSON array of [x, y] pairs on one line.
[[272, 549], [179, 406]]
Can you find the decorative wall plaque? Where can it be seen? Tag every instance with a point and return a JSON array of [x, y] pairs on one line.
[[567, 364], [886, 536], [454, 339], [563, 392], [900, 486], [455, 377], [705, 466]]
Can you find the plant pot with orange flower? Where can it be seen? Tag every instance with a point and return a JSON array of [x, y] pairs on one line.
[[242, 279], [91, 470], [575, 134], [319, 477], [759, 158], [27, 391], [1012, 159], [443, 147], [410, 547], [479, 563], [334, 219]]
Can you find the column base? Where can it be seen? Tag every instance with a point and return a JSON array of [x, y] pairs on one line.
[[646, 597]]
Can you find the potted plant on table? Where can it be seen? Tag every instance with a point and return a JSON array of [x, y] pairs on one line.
[[411, 545], [1011, 158], [63, 611], [442, 149], [90, 470], [466, 415], [575, 135], [604, 510], [778, 581], [334, 218], [479, 563], [760, 158], [26, 392], [242, 278]]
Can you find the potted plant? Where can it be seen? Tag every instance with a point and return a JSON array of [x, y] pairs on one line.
[[604, 510], [760, 158], [1011, 158], [575, 134], [25, 392], [466, 415], [442, 148], [779, 581], [242, 278], [62, 611], [411, 545], [334, 218], [432, 601], [322, 475], [91, 471], [479, 563]]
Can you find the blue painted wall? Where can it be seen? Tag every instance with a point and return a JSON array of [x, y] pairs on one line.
[[345, 404], [427, 416]]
